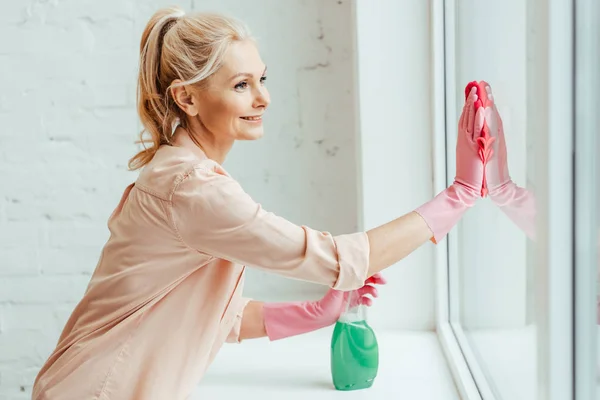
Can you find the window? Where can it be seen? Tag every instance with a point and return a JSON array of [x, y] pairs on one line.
[[518, 314]]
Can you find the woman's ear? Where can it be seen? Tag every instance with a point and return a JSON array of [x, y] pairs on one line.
[[184, 99]]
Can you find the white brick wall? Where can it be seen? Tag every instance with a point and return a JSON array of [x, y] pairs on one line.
[[68, 125]]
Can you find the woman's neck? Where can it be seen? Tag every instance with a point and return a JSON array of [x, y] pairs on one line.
[[216, 151]]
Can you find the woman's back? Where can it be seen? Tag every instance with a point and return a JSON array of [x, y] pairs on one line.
[[150, 298]]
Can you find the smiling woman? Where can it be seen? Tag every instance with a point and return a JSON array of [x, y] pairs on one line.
[[230, 102], [167, 291]]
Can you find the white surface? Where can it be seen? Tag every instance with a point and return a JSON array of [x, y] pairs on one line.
[[552, 80], [461, 369], [395, 100], [508, 359], [411, 367]]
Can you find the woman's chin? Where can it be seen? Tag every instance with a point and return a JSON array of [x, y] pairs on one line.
[[252, 135]]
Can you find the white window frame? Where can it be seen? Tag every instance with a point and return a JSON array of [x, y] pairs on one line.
[[443, 65], [554, 180], [587, 87]]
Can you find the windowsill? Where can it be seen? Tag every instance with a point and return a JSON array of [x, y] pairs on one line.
[[411, 366], [509, 357]]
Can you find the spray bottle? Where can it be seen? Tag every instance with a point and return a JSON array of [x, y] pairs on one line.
[[354, 349]]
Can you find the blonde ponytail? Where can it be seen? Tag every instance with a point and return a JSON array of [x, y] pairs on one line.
[[176, 46]]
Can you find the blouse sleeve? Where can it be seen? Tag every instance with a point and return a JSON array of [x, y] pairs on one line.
[[212, 214], [234, 334]]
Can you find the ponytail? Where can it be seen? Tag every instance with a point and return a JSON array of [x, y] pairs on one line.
[[152, 99]]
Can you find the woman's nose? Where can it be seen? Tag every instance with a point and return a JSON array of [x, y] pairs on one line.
[[262, 98]]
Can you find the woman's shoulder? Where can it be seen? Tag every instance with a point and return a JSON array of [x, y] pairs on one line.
[[173, 165]]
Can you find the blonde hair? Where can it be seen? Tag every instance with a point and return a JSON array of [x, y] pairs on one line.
[[177, 46]]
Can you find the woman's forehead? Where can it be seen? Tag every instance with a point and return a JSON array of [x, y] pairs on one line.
[[242, 57]]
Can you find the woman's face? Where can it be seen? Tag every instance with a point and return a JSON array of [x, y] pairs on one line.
[[235, 98]]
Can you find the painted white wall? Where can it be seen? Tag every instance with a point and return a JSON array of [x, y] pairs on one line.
[[68, 126], [394, 66], [492, 250]]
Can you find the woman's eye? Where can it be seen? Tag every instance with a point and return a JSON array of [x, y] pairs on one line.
[[244, 84], [241, 85]]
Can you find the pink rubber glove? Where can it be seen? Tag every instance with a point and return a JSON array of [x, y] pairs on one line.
[[446, 209], [294, 318], [492, 142], [516, 202]]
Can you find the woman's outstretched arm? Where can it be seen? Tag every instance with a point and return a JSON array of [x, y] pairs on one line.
[[282, 320]]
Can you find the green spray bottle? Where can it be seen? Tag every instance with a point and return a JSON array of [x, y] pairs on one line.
[[354, 349]]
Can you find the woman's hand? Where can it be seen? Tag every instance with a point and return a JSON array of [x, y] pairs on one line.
[[332, 305], [448, 207], [496, 166], [283, 320], [469, 163]]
